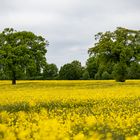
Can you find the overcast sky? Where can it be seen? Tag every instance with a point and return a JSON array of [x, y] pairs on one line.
[[69, 25]]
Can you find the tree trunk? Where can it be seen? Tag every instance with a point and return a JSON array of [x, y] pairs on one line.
[[14, 82], [13, 78]]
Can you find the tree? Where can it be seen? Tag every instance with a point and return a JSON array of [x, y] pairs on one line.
[[105, 75], [50, 71], [67, 72], [71, 71], [120, 72], [134, 71], [91, 66], [117, 48], [19, 50], [85, 75], [78, 68]]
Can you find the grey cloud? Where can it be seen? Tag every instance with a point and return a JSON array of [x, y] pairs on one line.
[[69, 25]]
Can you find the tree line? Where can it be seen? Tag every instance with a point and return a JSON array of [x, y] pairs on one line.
[[115, 55]]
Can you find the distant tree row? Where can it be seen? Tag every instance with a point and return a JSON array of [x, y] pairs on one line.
[[115, 55]]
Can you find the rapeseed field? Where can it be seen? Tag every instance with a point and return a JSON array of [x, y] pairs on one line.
[[70, 110]]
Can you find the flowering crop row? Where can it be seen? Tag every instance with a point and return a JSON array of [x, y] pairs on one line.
[[70, 110]]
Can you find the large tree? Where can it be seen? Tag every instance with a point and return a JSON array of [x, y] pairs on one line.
[[21, 51], [118, 48]]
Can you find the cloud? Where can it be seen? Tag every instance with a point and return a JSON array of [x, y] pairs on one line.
[[69, 25]]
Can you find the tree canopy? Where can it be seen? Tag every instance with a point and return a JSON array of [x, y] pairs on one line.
[[50, 72], [115, 55], [71, 71], [21, 52], [117, 49]]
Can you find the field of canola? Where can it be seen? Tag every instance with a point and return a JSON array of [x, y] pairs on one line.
[[70, 110]]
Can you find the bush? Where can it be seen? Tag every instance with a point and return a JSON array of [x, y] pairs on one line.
[[71, 71], [105, 75], [85, 75], [50, 72], [134, 71], [120, 72], [97, 76]]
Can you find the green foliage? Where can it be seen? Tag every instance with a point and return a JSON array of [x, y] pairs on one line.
[[120, 72], [21, 53], [71, 71], [86, 75], [50, 71], [97, 76], [105, 75], [134, 71], [115, 55], [67, 72], [114, 48], [78, 67], [92, 67]]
